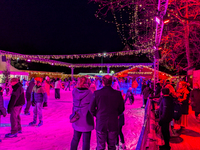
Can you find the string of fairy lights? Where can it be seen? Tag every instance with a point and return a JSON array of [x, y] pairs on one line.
[[134, 31], [47, 59]]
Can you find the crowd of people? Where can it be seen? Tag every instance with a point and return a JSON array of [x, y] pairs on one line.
[[103, 98], [172, 109]]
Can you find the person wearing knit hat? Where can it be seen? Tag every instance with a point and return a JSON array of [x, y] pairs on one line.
[[16, 102], [37, 99]]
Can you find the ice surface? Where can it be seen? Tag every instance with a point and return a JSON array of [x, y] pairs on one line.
[[57, 132]]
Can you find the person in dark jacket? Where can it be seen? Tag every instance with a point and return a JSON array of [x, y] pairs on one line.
[[156, 95], [130, 96], [85, 124], [37, 99], [2, 108], [146, 92], [107, 104], [195, 100], [166, 111], [16, 102], [28, 96]]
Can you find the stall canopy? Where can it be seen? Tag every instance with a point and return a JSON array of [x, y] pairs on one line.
[[142, 71], [13, 71]]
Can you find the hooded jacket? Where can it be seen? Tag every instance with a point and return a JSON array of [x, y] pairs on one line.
[[17, 97], [81, 101]]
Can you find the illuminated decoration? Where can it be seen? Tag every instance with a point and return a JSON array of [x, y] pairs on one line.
[[134, 20], [74, 56], [141, 70], [113, 65], [180, 43]]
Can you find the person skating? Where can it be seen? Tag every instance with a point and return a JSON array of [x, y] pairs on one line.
[[166, 112], [85, 124], [146, 92], [121, 135], [130, 96], [107, 104], [38, 96], [46, 85], [58, 86], [2, 108], [17, 100], [28, 96]]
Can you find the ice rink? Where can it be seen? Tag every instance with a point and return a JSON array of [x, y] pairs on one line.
[[57, 132]]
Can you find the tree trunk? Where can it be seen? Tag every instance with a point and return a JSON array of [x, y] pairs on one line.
[[187, 47]]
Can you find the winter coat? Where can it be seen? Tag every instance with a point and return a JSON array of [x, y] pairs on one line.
[[129, 95], [146, 92], [184, 99], [116, 86], [157, 92], [81, 101], [121, 120], [195, 100], [38, 94], [58, 85], [30, 87], [2, 108], [47, 87], [107, 104], [134, 84], [17, 97], [166, 109]]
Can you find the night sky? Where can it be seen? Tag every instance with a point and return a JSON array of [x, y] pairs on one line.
[[58, 27], [55, 27]]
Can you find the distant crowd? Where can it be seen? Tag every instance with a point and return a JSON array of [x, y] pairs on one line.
[[103, 98]]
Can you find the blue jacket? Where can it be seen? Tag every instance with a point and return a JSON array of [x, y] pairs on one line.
[[81, 101], [38, 94]]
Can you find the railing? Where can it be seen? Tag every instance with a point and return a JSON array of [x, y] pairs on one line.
[[141, 145]]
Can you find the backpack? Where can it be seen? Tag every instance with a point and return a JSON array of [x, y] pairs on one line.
[[177, 110]]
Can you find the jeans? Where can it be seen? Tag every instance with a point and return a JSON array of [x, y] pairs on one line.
[[37, 110], [45, 97], [57, 93], [165, 132], [76, 139], [109, 137], [15, 119], [28, 105], [121, 136]]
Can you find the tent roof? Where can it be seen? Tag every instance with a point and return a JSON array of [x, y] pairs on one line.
[[13, 70]]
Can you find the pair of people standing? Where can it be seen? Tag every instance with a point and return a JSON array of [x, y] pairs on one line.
[[106, 105]]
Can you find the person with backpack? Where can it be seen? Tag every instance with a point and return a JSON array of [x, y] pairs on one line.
[[166, 112]]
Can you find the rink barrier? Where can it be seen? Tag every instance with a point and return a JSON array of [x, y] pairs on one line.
[[142, 142]]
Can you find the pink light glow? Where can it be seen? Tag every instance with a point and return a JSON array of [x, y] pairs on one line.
[[158, 20], [28, 60]]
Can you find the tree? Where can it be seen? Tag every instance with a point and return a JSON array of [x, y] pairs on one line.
[[6, 76], [134, 20], [180, 43]]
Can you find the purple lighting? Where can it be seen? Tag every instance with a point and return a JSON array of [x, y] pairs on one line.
[[28, 60]]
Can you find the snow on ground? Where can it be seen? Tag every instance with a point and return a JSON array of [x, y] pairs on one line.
[[57, 132]]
